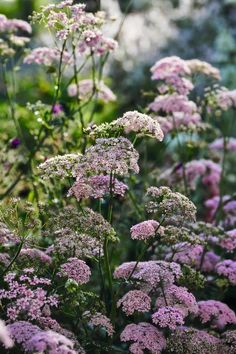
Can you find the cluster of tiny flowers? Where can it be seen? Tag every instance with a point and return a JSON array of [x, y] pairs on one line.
[[140, 123], [75, 269], [60, 166], [190, 340], [219, 99], [229, 241], [216, 312], [171, 71], [193, 255], [145, 337], [35, 254], [228, 208], [72, 20], [173, 104], [202, 67], [145, 230], [50, 342], [27, 298], [7, 237], [5, 336], [227, 268], [151, 272], [86, 89], [11, 35], [168, 317], [229, 342], [173, 206], [69, 242], [112, 155], [99, 320], [134, 300], [97, 187], [46, 56], [178, 297], [209, 171], [218, 144]]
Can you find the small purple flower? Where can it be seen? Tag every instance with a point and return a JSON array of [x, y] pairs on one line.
[[15, 142], [57, 109]]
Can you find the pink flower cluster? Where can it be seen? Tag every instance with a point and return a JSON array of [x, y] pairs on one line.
[[216, 312], [145, 337], [46, 56], [218, 144], [151, 272], [99, 320], [87, 89], [227, 268], [97, 187], [27, 298], [13, 25], [168, 317], [134, 300], [145, 230], [75, 269]]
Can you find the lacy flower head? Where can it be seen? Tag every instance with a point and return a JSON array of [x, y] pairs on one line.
[[172, 206], [112, 155], [75, 269], [67, 20], [144, 337], [99, 320], [178, 297], [153, 273], [186, 340], [217, 313], [97, 187], [86, 222], [26, 295], [134, 300], [145, 230], [87, 89], [141, 124], [168, 317], [60, 166]]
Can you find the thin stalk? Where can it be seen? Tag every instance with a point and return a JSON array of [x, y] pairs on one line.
[[13, 259]]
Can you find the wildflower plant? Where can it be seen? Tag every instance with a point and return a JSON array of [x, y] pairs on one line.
[[109, 249]]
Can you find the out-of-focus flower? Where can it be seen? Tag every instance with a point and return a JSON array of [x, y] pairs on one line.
[[227, 268], [87, 89], [216, 312], [5, 336], [218, 144], [46, 56], [197, 66]]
